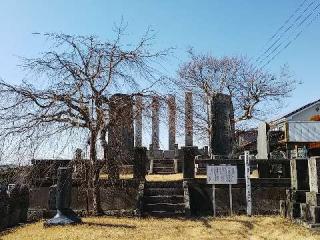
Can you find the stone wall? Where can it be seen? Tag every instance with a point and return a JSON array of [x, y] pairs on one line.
[[266, 195]]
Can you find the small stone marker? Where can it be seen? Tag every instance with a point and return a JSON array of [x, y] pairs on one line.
[[65, 215]]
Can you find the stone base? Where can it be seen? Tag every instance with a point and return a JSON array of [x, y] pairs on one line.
[[283, 208], [293, 210], [314, 214], [63, 217], [296, 195]]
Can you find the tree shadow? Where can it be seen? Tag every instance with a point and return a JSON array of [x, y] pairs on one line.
[[109, 225]]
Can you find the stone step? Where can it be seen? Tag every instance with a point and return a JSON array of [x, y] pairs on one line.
[[163, 165], [163, 169], [164, 199], [163, 191], [169, 207], [163, 214], [161, 184]]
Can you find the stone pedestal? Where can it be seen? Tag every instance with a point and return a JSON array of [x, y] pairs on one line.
[[293, 210], [313, 198], [65, 215], [189, 162], [14, 208], [140, 163]]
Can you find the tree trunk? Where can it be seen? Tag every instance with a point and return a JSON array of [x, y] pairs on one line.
[[95, 171]]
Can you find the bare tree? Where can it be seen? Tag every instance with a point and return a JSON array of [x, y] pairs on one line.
[[78, 75], [253, 90]]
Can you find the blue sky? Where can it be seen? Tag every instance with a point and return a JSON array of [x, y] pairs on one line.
[[234, 27]]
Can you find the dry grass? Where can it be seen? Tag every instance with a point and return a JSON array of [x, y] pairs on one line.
[[239, 227]]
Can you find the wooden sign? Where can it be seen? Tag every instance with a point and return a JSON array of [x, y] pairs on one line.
[[222, 174]]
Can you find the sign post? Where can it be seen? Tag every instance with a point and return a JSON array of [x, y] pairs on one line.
[[248, 183], [221, 174]]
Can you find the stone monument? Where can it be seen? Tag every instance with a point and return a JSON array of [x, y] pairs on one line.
[[222, 120], [65, 215]]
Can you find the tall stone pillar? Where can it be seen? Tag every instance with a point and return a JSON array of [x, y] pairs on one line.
[[172, 121], [120, 134], [222, 120], [188, 119], [138, 121], [155, 123]]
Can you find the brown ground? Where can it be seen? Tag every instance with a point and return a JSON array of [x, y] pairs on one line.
[[102, 228]]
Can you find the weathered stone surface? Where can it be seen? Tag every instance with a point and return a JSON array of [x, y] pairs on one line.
[[299, 174], [293, 210], [168, 154], [157, 154], [222, 120], [188, 119], [155, 123], [314, 214], [52, 197], [4, 207], [120, 133], [172, 114], [283, 208], [313, 198], [314, 174], [298, 196], [189, 162], [65, 214], [138, 121], [140, 162], [14, 208], [304, 211], [23, 202], [262, 141]]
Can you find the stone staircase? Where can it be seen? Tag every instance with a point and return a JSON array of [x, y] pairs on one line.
[[163, 199], [163, 166]]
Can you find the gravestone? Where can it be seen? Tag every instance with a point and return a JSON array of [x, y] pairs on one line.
[[222, 125], [120, 134], [140, 163], [14, 208], [188, 119], [65, 215], [299, 174], [189, 154], [4, 207], [172, 121], [23, 202], [262, 141], [314, 174], [155, 123], [138, 121]]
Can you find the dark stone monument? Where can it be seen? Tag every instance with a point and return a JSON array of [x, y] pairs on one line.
[[14, 208], [23, 202], [222, 125], [52, 197], [299, 174], [120, 134], [140, 162], [189, 154], [4, 207], [65, 215]]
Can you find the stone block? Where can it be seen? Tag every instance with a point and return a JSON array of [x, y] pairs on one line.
[[23, 203], [157, 154], [298, 196], [189, 162], [293, 210], [52, 197], [313, 198], [4, 202], [283, 208], [14, 208], [168, 154], [314, 174], [314, 214], [304, 212], [299, 174], [140, 162]]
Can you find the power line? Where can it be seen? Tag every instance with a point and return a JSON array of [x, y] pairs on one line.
[[280, 29], [296, 36], [291, 28]]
